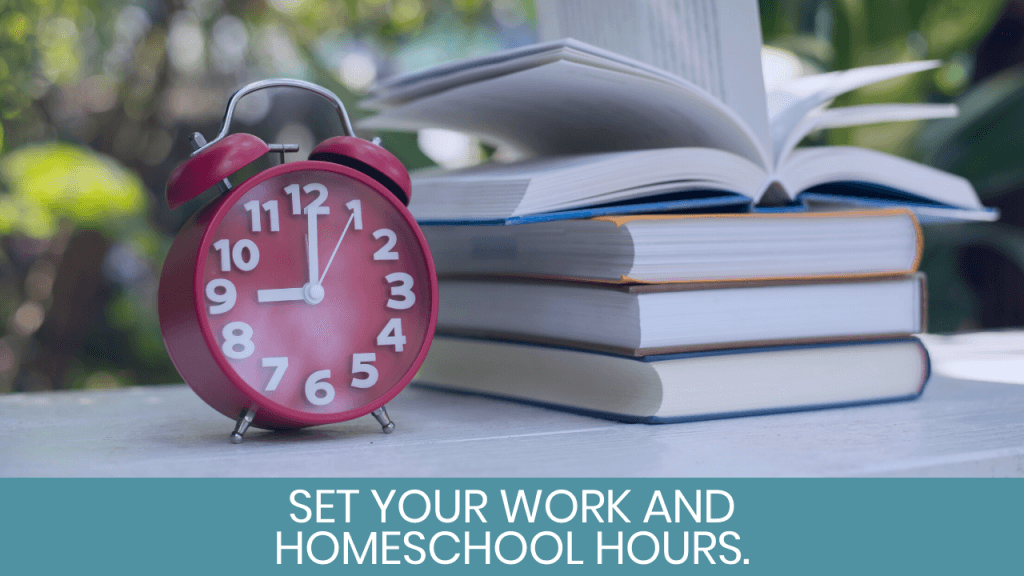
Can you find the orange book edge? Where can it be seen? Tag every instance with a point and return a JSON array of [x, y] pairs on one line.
[[621, 220]]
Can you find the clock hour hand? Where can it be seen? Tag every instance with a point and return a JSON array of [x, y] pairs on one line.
[[280, 295], [311, 293]]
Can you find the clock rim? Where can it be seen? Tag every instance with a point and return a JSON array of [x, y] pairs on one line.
[[225, 203]]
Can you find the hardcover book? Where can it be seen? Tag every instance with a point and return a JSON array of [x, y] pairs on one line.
[[686, 248], [640, 320], [681, 387]]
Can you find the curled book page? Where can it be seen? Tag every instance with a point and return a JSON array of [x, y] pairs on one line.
[[824, 118], [714, 44], [793, 101]]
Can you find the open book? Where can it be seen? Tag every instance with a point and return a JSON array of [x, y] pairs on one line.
[[595, 128]]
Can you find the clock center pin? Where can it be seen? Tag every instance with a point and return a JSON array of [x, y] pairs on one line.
[[313, 293]]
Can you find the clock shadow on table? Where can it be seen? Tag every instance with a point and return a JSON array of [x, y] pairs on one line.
[[187, 423], [341, 432]]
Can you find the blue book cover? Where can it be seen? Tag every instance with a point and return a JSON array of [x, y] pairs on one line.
[[836, 196]]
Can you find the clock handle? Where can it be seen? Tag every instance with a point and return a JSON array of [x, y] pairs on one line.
[[278, 83]]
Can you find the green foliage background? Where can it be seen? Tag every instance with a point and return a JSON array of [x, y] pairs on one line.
[[97, 99]]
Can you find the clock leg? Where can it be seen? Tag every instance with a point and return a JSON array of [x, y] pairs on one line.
[[244, 419], [381, 414]]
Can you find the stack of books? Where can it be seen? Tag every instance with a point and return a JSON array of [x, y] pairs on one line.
[[662, 251]]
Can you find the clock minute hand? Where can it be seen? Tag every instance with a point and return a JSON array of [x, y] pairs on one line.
[[312, 252], [336, 246]]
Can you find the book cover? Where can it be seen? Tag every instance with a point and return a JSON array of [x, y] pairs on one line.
[[681, 387], [687, 247], [641, 320]]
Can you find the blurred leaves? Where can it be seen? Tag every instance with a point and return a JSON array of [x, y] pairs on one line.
[[842, 34], [97, 98], [975, 276], [975, 271], [985, 142], [47, 182]]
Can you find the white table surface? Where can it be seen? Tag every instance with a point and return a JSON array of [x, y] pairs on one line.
[[957, 428]]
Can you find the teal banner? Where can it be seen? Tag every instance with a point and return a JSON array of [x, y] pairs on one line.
[[584, 526]]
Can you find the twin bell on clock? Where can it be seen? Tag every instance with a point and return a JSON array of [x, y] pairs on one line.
[[305, 294]]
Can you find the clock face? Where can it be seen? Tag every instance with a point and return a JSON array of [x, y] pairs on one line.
[[317, 292]]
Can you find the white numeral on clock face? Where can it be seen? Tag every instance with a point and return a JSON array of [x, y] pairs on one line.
[[237, 334], [404, 290], [317, 383], [293, 190], [391, 335], [279, 364], [224, 247], [361, 365], [321, 190], [222, 302], [271, 209], [385, 252], [357, 211], [253, 208], [245, 254], [238, 254], [315, 207]]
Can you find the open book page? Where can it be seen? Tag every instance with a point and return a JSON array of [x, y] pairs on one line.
[[619, 176], [715, 44], [794, 100], [566, 107], [563, 183], [401, 89], [568, 182], [824, 118], [812, 166]]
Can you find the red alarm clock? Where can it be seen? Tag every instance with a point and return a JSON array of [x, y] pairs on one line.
[[304, 295]]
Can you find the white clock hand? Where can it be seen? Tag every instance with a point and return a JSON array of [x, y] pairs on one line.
[[279, 295], [312, 252], [311, 293], [336, 246]]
